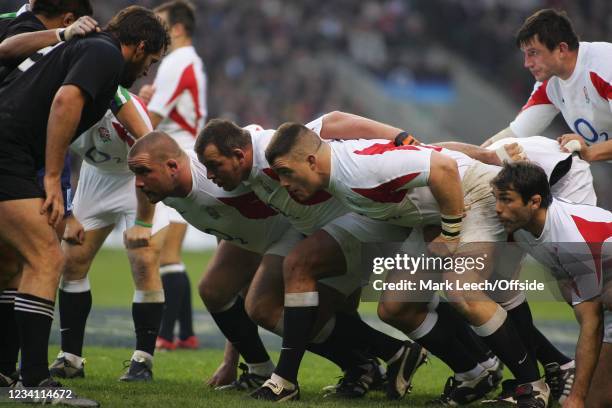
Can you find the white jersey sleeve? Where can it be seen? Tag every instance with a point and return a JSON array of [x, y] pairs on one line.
[[536, 114], [316, 125]]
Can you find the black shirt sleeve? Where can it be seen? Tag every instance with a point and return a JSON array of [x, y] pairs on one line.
[[93, 66]]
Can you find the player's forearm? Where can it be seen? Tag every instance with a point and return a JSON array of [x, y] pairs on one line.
[[155, 119], [597, 152], [64, 118], [230, 354], [445, 185], [475, 152], [129, 117], [145, 210], [26, 44], [588, 347], [342, 125]]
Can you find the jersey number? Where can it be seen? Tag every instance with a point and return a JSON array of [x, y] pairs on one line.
[[98, 157], [588, 132]]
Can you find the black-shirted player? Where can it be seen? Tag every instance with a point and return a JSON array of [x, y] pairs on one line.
[[21, 34], [56, 99]]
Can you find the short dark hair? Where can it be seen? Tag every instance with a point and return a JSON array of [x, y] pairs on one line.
[[527, 179], [54, 8], [225, 135], [134, 24], [179, 12], [284, 140], [552, 28]]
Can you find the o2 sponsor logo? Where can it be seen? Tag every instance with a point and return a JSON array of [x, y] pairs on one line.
[[588, 131]]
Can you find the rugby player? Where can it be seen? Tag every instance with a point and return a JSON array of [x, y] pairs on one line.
[[105, 198], [573, 77], [72, 91], [572, 240], [177, 105]]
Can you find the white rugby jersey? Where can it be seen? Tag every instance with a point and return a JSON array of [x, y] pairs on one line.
[[307, 216], [180, 96], [385, 182], [237, 216], [107, 143], [572, 246], [575, 186], [583, 99]]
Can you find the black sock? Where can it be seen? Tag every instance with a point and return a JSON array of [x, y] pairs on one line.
[[299, 322], [539, 346], [147, 317], [474, 345], [9, 339], [173, 292], [34, 316], [185, 315], [341, 355], [240, 330], [441, 340], [74, 309], [351, 331], [506, 343]]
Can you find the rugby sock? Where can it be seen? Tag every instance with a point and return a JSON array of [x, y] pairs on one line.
[[340, 352], [34, 316], [539, 346], [351, 330], [74, 306], [147, 309], [185, 315], [300, 315], [437, 334], [502, 337], [327, 346], [477, 349], [241, 331], [9, 339], [171, 277]]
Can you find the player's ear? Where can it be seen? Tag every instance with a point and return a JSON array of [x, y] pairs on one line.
[[140, 48], [172, 164], [68, 19], [536, 201], [312, 161], [238, 153]]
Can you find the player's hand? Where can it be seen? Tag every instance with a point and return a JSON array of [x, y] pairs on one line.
[[443, 247], [146, 93], [74, 233], [80, 28], [573, 402], [571, 142], [137, 237], [54, 201], [404, 139], [511, 152], [223, 375]]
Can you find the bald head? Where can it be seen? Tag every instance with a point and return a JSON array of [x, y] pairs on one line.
[[159, 146]]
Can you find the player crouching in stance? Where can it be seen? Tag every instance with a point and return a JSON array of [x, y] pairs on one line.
[[573, 241]]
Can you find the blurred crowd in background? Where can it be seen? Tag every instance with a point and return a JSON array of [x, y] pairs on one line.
[[260, 55]]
